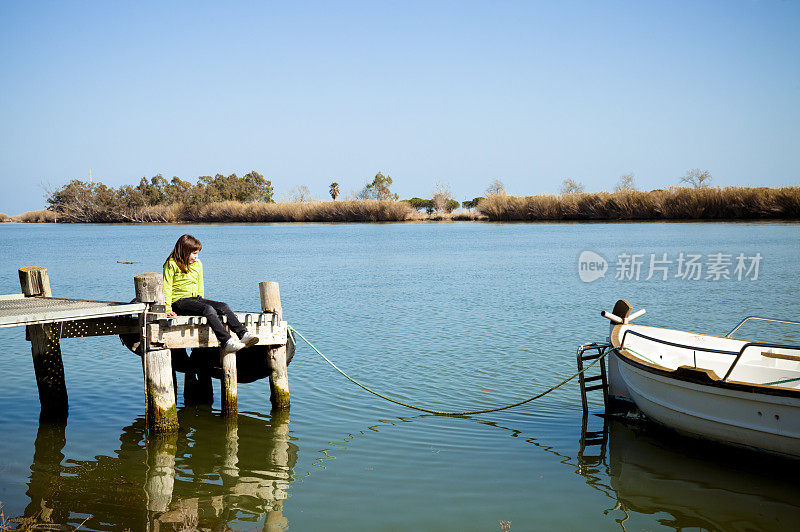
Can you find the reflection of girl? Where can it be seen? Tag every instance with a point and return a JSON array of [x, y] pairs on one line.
[[184, 291]]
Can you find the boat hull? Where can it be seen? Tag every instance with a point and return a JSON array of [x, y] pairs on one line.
[[764, 421]]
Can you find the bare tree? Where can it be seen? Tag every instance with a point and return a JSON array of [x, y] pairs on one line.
[[300, 194], [496, 187], [625, 183], [441, 197], [570, 186], [697, 178]]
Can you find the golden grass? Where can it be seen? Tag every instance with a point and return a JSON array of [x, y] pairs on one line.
[[317, 211], [43, 216], [675, 203]]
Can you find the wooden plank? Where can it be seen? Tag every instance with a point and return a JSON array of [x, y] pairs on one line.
[[33, 316], [9, 297], [191, 336], [780, 356]]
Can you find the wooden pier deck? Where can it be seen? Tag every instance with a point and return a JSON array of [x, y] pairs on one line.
[[146, 329]]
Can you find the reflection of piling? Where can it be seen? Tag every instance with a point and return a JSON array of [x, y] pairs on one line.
[[160, 471], [136, 486], [44, 485], [230, 456], [46, 349], [278, 377], [162, 416]]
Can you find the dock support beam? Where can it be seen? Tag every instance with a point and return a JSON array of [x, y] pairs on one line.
[[162, 413], [45, 349], [229, 380], [278, 377]]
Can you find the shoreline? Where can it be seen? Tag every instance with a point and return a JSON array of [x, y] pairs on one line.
[[787, 221], [662, 205]]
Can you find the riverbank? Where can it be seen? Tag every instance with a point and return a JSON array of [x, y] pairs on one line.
[[675, 203]]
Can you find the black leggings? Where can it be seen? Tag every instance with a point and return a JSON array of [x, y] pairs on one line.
[[211, 310]]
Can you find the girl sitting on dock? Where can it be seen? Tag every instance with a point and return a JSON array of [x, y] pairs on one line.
[[184, 291]]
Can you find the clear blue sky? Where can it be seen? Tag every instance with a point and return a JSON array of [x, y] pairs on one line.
[[457, 92]]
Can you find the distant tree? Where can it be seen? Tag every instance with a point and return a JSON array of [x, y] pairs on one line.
[[471, 204], [334, 190], [570, 186], [82, 201], [300, 194], [421, 204], [259, 188], [625, 183], [379, 189], [79, 201], [442, 197], [697, 178], [452, 205], [496, 187], [248, 188], [178, 190]]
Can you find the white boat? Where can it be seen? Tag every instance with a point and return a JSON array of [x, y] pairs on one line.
[[721, 388]]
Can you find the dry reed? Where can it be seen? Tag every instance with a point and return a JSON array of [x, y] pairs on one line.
[[43, 216], [675, 203], [316, 211]]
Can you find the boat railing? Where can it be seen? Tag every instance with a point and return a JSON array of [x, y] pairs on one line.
[[768, 345], [760, 318], [738, 354]]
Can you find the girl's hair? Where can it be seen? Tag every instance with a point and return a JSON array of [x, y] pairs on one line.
[[185, 246]]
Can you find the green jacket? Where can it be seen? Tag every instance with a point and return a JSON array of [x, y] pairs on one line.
[[178, 285]]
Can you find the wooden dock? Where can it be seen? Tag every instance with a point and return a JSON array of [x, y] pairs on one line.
[[145, 328]]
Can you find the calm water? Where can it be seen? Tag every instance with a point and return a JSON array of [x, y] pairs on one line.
[[450, 316]]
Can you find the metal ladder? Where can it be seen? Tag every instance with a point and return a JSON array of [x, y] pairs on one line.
[[592, 438], [595, 351]]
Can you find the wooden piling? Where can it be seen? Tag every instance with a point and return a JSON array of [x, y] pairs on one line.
[[34, 281], [162, 414], [278, 377], [229, 382], [45, 349]]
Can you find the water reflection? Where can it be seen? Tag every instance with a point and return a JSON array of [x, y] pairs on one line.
[[217, 472], [698, 484]]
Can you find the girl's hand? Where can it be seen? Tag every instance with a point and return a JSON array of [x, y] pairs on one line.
[[171, 314]]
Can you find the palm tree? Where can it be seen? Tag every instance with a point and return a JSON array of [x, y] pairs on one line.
[[334, 190]]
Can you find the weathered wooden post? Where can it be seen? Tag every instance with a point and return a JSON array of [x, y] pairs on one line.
[[46, 349], [278, 377], [229, 382], [162, 414]]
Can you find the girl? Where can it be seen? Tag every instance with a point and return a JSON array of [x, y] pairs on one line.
[[184, 291]]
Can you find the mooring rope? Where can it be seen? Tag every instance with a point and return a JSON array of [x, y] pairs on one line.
[[440, 412]]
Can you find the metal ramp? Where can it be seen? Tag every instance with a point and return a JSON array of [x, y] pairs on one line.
[[16, 310]]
